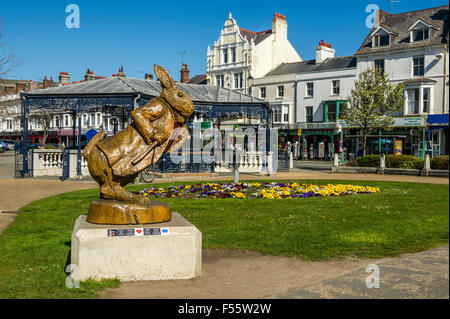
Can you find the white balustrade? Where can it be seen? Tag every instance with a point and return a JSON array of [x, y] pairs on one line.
[[49, 162]]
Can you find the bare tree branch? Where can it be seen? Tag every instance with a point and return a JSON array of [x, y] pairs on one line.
[[8, 59]]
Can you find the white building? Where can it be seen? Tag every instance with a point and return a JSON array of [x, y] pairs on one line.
[[278, 88], [412, 47], [240, 55], [60, 126], [306, 98]]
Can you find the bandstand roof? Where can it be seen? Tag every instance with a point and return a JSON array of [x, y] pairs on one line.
[[124, 86], [129, 93]]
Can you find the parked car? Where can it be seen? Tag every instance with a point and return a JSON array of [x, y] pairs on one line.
[[9, 144], [2, 147]]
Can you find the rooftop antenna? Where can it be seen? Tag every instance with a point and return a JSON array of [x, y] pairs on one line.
[[392, 4], [182, 53]]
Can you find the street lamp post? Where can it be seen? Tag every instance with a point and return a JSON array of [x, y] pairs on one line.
[[250, 83]]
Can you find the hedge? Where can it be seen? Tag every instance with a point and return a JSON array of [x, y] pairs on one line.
[[391, 161], [439, 162]]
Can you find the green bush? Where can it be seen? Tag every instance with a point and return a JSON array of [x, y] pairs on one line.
[[404, 161], [369, 161], [392, 161], [439, 162]]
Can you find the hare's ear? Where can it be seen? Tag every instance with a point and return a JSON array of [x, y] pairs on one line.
[[164, 77]]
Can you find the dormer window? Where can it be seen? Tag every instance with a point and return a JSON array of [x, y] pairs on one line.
[[381, 40], [420, 34], [381, 37], [421, 31]]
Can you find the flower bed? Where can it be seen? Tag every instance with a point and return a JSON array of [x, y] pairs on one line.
[[257, 190]]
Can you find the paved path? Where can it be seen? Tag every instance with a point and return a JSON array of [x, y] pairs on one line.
[[232, 274], [7, 165], [302, 174], [16, 193], [422, 275]]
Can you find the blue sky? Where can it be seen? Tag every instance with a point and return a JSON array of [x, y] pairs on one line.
[[139, 34]]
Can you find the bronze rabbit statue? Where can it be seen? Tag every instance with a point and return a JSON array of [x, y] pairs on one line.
[[157, 127]]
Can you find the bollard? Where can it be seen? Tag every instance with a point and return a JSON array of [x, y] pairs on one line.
[[336, 160], [335, 167], [380, 169], [426, 166], [291, 160]]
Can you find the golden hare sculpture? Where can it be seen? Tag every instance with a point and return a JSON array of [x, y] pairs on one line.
[[157, 127]]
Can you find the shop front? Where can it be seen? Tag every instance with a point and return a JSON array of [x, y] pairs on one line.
[[438, 135], [407, 135]]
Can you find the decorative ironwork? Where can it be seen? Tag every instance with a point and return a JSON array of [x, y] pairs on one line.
[[65, 164]]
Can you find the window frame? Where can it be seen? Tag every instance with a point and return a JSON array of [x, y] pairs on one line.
[[375, 64], [420, 66], [282, 91], [233, 55], [277, 111], [225, 56], [425, 30], [336, 115], [428, 100], [220, 80], [308, 89], [238, 77], [261, 90], [376, 40], [333, 87]]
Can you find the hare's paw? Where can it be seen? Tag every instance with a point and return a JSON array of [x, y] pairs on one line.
[[143, 200]]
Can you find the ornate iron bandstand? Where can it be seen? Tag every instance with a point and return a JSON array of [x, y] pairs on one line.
[[120, 95]]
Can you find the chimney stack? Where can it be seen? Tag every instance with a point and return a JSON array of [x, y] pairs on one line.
[[148, 76], [279, 26], [64, 77], [324, 51], [90, 75], [45, 83], [121, 73], [20, 87], [184, 74]]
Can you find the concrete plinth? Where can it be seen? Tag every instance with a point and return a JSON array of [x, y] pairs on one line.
[[170, 250]]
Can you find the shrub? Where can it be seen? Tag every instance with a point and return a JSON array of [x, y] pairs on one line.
[[392, 161], [369, 161], [439, 162], [404, 161]]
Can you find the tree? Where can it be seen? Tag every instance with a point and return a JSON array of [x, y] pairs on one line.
[[43, 118], [372, 102], [8, 59]]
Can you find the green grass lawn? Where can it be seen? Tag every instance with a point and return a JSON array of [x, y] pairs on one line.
[[404, 217]]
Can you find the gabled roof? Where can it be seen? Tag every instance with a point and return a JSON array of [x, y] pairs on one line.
[[128, 86], [256, 36], [425, 22], [198, 79], [401, 24], [312, 66], [385, 28]]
